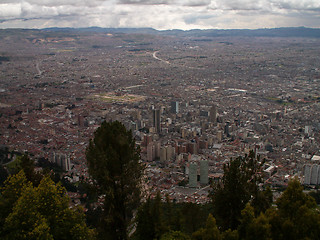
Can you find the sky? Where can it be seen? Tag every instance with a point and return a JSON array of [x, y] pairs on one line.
[[160, 14]]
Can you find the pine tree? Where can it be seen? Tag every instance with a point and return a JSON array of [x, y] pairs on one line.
[[210, 232], [113, 161], [237, 187]]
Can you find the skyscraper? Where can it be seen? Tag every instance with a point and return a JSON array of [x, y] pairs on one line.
[[156, 120], [204, 169], [175, 107], [307, 174], [314, 174], [193, 175], [213, 114]]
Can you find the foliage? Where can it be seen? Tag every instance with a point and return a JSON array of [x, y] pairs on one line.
[[113, 161], [155, 218], [210, 232], [237, 187], [3, 174], [40, 212], [230, 235], [10, 193], [315, 195], [295, 217], [262, 200], [145, 224], [27, 165], [23, 162], [297, 213], [175, 235], [251, 227]]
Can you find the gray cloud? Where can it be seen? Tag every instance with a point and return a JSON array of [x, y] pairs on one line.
[[297, 4], [160, 14], [145, 2]]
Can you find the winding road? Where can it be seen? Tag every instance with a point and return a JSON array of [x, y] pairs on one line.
[[154, 55]]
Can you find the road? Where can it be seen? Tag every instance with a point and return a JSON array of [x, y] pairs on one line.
[[155, 57]]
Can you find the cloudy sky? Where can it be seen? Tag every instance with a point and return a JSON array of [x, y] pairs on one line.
[[160, 14]]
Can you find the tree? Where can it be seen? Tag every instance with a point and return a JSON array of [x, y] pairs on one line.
[[247, 217], [237, 187], [41, 212], [230, 235], [27, 165], [297, 213], [292, 199], [253, 228], [192, 217], [145, 222], [210, 232], [175, 235], [3, 174], [113, 161], [10, 193], [262, 200]]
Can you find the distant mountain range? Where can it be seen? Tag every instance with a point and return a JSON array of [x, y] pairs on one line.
[[267, 32], [196, 33]]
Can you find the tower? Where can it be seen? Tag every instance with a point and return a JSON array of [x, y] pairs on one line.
[[193, 174], [156, 120], [226, 129], [175, 107], [204, 169], [307, 174], [314, 175], [213, 114]]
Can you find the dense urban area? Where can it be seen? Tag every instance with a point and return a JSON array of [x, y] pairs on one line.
[[192, 103]]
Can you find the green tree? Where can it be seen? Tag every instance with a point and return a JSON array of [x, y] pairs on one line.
[[10, 193], [252, 228], [175, 235], [230, 235], [145, 222], [157, 216], [292, 199], [210, 232], [237, 187], [260, 228], [247, 217], [27, 165], [113, 161], [3, 174], [262, 200], [192, 217], [151, 222], [297, 213], [41, 212]]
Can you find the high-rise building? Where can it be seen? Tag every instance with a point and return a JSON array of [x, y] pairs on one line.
[[175, 107], [227, 129], [204, 169], [151, 152], [307, 174], [219, 136], [157, 149], [307, 130], [156, 120], [163, 154], [62, 160], [193, 174], [213, 114], [314, 174], [170, 152]]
